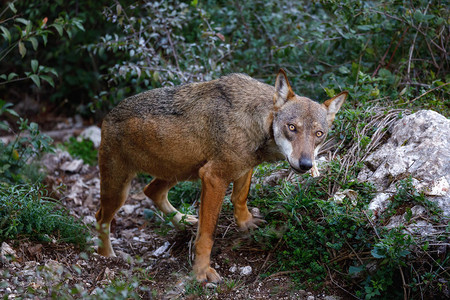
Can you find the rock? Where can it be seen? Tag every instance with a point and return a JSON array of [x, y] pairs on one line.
[[52, 161], [245, 271], [419, 146], [72, 166], [89, 220], [129, 209], [333, 297], [125, 256], [94, 134], [7, 253], [340, 195], [422, 228], [161, 250], [233, 269]]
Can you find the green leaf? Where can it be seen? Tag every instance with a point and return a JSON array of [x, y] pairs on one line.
[[3, 76], [3, 126], [344, 70], [58, 28], [22, 49], [375, 253], [34, 65], [12, 7], [34, 42], [48, 79], [355, 270], [6, 34], [12, 75], [44, 38], [36, 80], [23, 21]]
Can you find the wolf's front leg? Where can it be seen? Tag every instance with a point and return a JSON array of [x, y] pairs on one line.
[[213, 191], [244, 219]]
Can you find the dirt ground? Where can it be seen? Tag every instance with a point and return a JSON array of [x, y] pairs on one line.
[[161, 254]]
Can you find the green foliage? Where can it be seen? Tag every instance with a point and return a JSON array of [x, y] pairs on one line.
[[24, 36], [185, 193], [25, 211], [158, 43], [83, 149], [122, 286], [321, 238], [15, 157]]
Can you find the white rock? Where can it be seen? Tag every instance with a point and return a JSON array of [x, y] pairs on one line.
[[72, 166], [233, 269], [6, 253], [129, 209], [161, 250], [379, 202], [419, 146], [94, 134], [89, 220], [422, 228], [245, 271]]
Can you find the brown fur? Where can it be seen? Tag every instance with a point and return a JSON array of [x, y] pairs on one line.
[[215, 131]]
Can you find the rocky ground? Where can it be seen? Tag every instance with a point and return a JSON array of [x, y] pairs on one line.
[[148, 248]]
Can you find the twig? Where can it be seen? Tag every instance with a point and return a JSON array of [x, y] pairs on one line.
[[267, 259], [429, 91], [398, 44], [371, 224], [281, 273], [383, 58], [354, 252], [338, 285], [405, 293], [174, 51]]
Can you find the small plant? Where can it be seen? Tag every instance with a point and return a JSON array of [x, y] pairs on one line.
[[83, 149], [25, 211], [16, 157]]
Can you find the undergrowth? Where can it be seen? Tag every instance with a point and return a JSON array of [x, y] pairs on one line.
[[83, 149], [25, 211], [321, 241]]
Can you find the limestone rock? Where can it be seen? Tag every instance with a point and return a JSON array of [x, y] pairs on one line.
[[419, 146]]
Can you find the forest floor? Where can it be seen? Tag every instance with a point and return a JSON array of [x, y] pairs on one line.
[[149, 249]]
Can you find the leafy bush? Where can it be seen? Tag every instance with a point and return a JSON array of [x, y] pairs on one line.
[[24, 36], [16, 157], [83, 149], [158, 43], [26, 212], [318, 239]]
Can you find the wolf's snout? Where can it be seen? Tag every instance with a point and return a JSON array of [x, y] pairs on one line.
[[305, 164]]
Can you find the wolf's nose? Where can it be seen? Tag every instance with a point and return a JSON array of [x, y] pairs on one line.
[[305, 164]]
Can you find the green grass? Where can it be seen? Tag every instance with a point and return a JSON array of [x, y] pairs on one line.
[[25, 211]]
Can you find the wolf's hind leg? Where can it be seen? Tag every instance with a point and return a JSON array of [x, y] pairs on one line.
[[114, 185], [157, 191], [244, 219]]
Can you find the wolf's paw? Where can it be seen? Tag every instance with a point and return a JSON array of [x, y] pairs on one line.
[[251, 224], [208, 275], [181, 220]]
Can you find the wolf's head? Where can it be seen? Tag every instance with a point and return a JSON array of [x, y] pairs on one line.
[[301, 125]]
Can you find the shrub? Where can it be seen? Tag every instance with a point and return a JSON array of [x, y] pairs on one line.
[[25, 211]]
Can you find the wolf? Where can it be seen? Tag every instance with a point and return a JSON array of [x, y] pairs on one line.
[[216, 131]]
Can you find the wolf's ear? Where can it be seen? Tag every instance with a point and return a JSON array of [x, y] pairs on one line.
[[283, 90], [333, 105]]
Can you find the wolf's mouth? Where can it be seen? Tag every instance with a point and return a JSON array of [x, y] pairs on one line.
[[299, 171]]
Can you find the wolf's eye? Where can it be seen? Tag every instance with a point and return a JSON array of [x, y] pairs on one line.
[[319, 133], [291, 127]]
